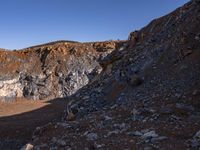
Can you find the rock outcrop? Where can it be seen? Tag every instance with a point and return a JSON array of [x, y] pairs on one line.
[[137, 94], [52, 70], [146, 97]]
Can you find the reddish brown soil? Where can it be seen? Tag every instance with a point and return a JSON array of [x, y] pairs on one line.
[[19, 119]]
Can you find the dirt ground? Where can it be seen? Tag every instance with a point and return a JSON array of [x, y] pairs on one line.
[[19, 119]]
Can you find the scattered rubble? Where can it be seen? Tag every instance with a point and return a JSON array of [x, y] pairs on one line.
[[143, 98], [137, 94]]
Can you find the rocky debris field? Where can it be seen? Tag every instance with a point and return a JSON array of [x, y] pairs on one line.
[[144, 93]]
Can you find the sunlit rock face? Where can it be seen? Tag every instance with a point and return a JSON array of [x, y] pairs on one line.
[[52, 70], [10, 89]]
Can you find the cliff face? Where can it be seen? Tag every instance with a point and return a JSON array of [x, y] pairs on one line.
[[51, 70]]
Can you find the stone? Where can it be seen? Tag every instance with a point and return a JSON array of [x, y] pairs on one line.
[[197, 38], [183, 108], [86, 97], [135, 133], [187, 52], [92, 136], [148, 148], [136, 115], [149, 135], [112, 132], [166, 110], [70, 117], [136, 80], [54, 140], [196, 92], [114, 106], [61, 143], [134, 111], [197, 136], [157, 139], [27, 147], [133, 38], [107, 118], [121, 126], [10, 89], [99, 146], [195, 142], [178, 95], [53, 148]]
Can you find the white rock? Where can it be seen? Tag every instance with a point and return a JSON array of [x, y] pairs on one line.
[[161, 138], [150, 134], [197, 136], [10, 88], [113, 132], [107, 118], [27, 147]]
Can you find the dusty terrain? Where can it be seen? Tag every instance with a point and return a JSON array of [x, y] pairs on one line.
[[143, 93], [19, 119]]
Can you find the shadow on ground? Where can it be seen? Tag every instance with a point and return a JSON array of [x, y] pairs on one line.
[[17, 129]]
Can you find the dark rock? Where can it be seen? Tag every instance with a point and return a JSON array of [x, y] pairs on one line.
[[136, 80], [135, 133], [166, 110], [92, 136], [158, 139]]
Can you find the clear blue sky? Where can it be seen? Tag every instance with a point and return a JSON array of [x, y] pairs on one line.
[[25, 23]]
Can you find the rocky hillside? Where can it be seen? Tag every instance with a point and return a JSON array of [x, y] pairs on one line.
[[52, 70], [143, 93]]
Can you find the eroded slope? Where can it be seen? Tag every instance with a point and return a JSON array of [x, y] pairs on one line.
[[147, 97], [51, 70]]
